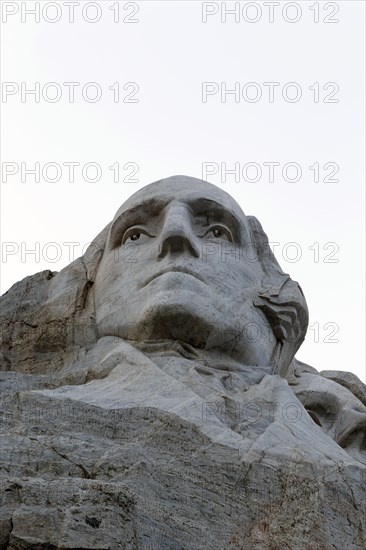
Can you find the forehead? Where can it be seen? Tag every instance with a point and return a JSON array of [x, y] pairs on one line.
[[182, 189]]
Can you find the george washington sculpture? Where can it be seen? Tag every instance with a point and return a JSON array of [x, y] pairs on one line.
[[180, 307]]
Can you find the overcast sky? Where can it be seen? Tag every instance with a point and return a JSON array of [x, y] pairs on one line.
[[266, 102]]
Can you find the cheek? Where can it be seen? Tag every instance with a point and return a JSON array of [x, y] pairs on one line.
[[129, 254], [235, 280], [113, 266], [233, 262], [106, 281]]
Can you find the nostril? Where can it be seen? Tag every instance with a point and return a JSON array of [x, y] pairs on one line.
[[176, 244]]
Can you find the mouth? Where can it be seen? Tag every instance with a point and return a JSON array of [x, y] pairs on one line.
[[174, 270]]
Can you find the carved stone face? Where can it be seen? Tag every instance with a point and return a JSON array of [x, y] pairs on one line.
[[177, 265]]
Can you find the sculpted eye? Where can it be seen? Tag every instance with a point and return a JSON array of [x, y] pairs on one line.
[[219, 232], [134, 234]]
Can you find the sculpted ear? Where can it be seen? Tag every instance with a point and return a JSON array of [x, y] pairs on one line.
[[281, 300]]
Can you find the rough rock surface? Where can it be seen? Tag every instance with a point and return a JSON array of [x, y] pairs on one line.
[[115, 443]]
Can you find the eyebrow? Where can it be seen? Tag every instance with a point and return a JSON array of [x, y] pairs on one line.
[[152, 207], [212, 210], [216, 212]]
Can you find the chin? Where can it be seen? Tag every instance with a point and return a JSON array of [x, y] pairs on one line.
[[174, 316]]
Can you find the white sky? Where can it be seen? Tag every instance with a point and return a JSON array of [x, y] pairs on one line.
[[169, 53]]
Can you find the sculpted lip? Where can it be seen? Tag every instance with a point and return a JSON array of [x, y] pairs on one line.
[[174, 270]]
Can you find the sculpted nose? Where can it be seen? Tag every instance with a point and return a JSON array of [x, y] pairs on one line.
[[177, 236]]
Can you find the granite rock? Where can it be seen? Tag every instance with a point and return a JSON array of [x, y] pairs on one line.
[[151, 398]]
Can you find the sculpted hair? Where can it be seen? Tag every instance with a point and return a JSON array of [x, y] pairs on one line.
[[281, 300]]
